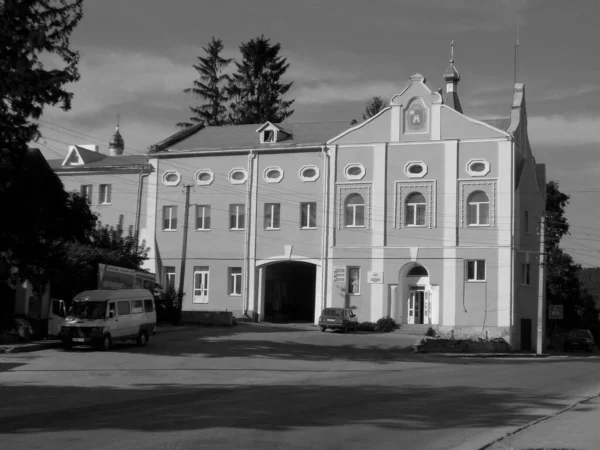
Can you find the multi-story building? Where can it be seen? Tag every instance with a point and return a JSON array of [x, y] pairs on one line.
[[420, 213]]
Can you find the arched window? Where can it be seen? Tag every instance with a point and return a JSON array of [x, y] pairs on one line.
[[417, 271], [478, 209], [415, 210], [355, 211]]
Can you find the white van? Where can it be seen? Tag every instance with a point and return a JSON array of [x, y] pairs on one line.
[[101, 317]]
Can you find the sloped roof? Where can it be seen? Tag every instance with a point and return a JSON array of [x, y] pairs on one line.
[[104, 162], [502, 123], [246, 137]]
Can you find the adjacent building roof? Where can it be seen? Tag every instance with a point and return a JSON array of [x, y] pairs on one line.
[[105, 162], [502, 123], [246, 137]]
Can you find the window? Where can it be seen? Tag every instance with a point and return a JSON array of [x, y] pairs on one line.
[[170, 278], [235, 281], [137, 307], [415, 210], [204, 177], [354, 280], [308, 215], [354, 171], [171, 178], [86, 191], [123, 308], [415, 169], [355, 211], [148, 306], [476, 270], [309, 173], [272, 213], [478, 209], [268, 136], [200, 285], [478, 167], [526, 221], [202, 217], [169, 218], [526, 274], [273, 174], [104, 197], [236, 216], [238, 176]]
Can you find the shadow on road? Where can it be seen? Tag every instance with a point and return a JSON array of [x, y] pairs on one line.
[[277, 408]]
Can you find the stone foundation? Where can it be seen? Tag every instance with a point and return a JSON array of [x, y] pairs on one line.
[[464, 332]]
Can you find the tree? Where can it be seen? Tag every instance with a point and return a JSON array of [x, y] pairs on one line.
[[210, 87], [373, 106], [255, 91]]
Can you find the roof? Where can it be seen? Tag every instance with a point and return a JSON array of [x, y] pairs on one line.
[[502, 123], [109, 294], [246, 137], [104, 162]]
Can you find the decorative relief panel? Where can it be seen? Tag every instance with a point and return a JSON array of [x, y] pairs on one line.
[[429, 191], [344, 191], [487, 186], [416, 117]]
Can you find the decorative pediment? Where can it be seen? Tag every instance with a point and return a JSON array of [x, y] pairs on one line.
[[271, 133]]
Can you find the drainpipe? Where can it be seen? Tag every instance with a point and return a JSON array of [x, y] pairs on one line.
[[138, 211], [325, 237], [512, 242], [248, 231]]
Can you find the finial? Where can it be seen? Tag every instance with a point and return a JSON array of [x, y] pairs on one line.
[[452, 52], [118, 120]]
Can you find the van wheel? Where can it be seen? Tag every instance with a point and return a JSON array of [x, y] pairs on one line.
[[106, 343], [142, 339], [323, 329]]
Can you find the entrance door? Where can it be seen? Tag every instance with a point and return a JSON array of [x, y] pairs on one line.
[[201, 286], [416, 297], [525, 334]]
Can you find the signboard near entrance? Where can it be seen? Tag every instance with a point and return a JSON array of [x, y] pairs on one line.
[[339, 274], [113, 277], [375, 277], [555, 312]]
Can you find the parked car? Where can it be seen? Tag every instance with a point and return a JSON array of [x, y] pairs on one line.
[[338, 318], [579, 339]]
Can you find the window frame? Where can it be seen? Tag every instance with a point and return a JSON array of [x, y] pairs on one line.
[[105, 199], [526, 227], [414, 211], [410, 164], [309, 206], [234, 280], [84, 192], [168, 275], [201, 270], [482, 173], [166, 173], [478, 209], [349, 270], [171, 219], [273, 216], [359, 176], [276, 179], [354, 208], [526, 274], [204, 217], [200, 182], [234, 170], [304, 178], [238, 206], [476, 263]]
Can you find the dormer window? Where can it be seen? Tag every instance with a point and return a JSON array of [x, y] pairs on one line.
[[268, 136], [270, 133]]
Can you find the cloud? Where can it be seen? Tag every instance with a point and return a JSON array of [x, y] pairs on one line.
[[322, 93], [560, 130]]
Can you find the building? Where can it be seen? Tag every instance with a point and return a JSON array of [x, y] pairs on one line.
[[114, 184], [421, 213]]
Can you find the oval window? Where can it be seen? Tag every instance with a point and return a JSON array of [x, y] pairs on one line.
[[309, 173], [477, 167], [273, 173], [204, 176], [415, 169], [238, 175], [354, 171], [171, 178]]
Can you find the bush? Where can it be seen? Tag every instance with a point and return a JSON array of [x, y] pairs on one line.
[[366, 326], [386, 325], [430, 332]]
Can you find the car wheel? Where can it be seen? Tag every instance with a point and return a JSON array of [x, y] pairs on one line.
[[142, 339], [106, 343], [323, 329]]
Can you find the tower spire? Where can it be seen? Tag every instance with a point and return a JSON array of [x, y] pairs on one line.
[[116, 145], [452, 77]]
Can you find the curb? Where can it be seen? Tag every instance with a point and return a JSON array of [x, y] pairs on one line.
[[492, 355], [535, 422], [26, 348]]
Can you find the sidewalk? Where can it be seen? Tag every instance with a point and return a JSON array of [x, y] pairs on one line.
[[575, 427]]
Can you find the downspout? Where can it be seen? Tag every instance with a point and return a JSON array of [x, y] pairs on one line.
[[248, 231], [138, 211], [325, 237], [512, 238]]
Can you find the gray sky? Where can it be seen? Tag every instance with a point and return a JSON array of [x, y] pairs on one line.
[[137, 56]]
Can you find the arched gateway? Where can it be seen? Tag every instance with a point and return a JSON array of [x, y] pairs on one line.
[[414, 300]]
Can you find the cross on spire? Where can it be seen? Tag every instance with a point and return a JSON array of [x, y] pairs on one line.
[[452, 52], [118, 120]]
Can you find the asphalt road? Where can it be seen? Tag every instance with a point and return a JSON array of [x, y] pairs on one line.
[[256, 387]]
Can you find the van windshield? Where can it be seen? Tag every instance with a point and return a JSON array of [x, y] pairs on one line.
[[88, 310]]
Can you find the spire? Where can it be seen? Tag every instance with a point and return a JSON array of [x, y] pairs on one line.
[[452, 77], [116, 145]]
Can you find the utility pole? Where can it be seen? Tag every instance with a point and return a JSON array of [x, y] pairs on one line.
[[183, 251], [541, 289]]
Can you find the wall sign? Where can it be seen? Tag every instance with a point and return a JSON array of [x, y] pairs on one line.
[[339, 274], [375, 277]]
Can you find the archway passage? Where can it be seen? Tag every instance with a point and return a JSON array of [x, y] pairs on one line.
[[290, 292]]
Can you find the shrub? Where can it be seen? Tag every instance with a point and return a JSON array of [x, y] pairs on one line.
[[430, 332], [366, 326], [386, 325]]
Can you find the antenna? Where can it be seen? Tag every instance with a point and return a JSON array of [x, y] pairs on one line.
[[516, 52]]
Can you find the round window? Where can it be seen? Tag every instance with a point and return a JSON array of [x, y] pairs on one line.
[[309, 173], [415, 168], [204, 176], [273, 173], [237, 175], [477, 167], [354, 171], [171, 178]]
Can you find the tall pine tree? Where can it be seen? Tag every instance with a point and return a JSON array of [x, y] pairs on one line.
[[210, 86], [255, 91], [373, 106]]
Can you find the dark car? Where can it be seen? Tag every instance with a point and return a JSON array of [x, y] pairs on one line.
[[338, 318], [579, 340]]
